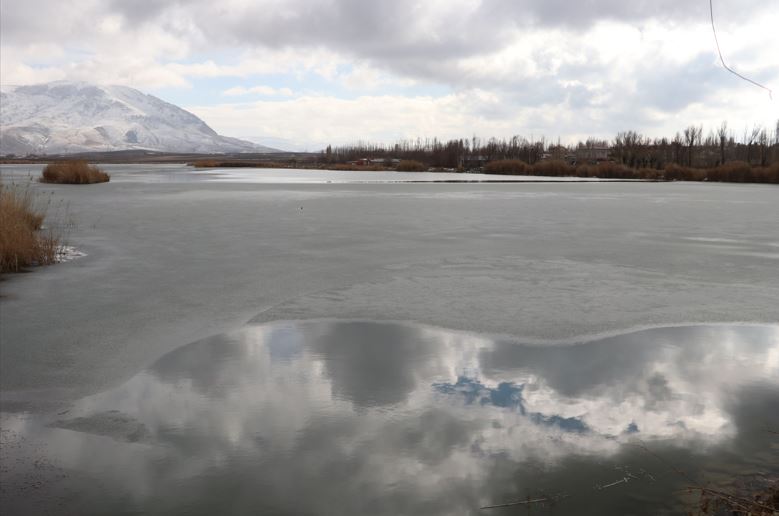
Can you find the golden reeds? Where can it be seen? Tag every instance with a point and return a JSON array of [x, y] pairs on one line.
[[73, 172], [22, 241]]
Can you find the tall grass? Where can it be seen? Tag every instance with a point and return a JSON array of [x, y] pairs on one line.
[[357, 168], [507, 167], [22, 241], [553, 167], [733, 171], [74, 173], [213, 163], [608, 170], [409, 165]]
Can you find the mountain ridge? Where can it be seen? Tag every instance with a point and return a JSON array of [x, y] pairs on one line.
[[68, 117]]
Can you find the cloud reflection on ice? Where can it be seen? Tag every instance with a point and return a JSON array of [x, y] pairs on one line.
[[398, 418]]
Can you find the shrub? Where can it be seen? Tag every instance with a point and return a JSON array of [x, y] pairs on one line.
[[408, 165], [22, 243], [506, 167], [769, 174], [205, 163], [356, 168], [344, 166], [731, 171], [212, 163], [556, 168], [611, 170], [649, 173], [73, 172], [674, 172]]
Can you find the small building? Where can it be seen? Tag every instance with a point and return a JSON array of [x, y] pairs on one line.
[[474, 162], [586, 154]]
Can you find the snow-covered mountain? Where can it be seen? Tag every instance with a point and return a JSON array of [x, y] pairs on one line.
[[68, 117]]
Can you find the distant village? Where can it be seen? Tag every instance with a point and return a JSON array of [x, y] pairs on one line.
[[583, 154], [691, 154], [758, 147]]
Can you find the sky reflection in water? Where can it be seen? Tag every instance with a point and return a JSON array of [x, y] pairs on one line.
[[384, 418]]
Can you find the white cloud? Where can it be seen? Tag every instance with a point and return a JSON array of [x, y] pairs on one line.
[[387, 118], [238, 91], [524, 66], [378, 118]]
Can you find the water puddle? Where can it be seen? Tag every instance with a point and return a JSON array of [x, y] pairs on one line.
[[329, 417]]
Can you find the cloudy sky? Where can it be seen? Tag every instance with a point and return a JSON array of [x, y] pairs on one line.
[[306, 72]]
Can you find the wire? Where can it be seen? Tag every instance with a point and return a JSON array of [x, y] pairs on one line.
[[722, 59]]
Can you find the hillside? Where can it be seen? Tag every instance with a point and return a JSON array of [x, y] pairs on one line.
[[72, 117]]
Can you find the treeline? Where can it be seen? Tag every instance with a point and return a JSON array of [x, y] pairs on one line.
[[717, 155], [436, 153], [758, 146]]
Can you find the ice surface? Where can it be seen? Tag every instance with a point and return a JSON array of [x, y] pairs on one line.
[[169, 262], [397, 418]]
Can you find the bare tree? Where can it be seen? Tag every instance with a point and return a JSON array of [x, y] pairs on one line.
[[749, 139], [722, 134], [762, 142], [677, 148], [692, 137]]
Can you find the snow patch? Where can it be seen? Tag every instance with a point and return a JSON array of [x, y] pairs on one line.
[[67, 253]]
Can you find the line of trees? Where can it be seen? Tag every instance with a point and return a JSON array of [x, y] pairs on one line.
[[441, 154], [692, 148], [758, 146]]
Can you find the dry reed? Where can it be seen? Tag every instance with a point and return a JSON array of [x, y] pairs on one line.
[[357, 168], [213, 163], [22, 241], [507, 167], [408, 165], [73, 172], [733, 171]]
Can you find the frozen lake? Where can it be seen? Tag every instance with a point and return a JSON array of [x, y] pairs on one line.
[[175, 256], [176, 173], [355, 417]]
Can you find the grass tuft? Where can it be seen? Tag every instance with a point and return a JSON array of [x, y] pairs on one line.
[[73, 173]]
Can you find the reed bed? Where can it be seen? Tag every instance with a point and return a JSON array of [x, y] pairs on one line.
[[734, 171], [73, 173], [23, 242], [410, 165]]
